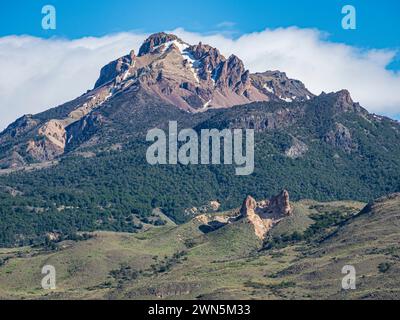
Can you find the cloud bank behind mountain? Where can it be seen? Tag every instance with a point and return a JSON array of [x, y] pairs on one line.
[[37, 74]]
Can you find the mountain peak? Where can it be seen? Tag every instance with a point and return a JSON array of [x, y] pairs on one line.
[[344, 97], [197, 77], [343, 102], [155, 41]]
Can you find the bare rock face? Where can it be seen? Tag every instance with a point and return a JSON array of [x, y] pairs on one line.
[[248, 207], [55, 132], [50, 143], [267, 213], [196, 78], [211, 60], [231, 73], [278, 86], [279, 206], [155, 41], [115, 68], [212, 206], [267, 121], [343, 103], [99, 97], [340, 137], [297, 150], [261, 227], [43, 150]]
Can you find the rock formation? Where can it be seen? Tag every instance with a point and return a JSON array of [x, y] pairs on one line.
[[267, 213], [261, 226], [279, 206], [340, 137], [297, 150]]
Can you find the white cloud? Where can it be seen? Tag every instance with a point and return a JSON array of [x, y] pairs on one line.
[[308, 55], [37, 74]]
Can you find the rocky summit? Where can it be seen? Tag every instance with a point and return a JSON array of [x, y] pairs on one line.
[[198, 77]]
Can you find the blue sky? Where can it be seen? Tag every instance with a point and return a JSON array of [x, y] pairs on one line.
[[378, 20], [68, 68]]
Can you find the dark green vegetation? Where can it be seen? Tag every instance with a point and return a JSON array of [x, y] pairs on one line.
[[348, 154], [229, 263]]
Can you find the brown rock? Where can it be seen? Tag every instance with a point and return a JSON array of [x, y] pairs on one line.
[[155, 40], [50, 142], [248, 206], [55, 132], [279, 87], [266, 214], [195, 77], [280, 205], [261, 227]]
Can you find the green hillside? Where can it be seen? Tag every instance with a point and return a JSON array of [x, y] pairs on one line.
[[181, 262], [349, 155]]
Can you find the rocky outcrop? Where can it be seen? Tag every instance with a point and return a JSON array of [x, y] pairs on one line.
[[115, 69], [297, 150], [43, 150], [249, 206], [340, 137], [261, 226], [210, 61], [55, 132], [231, 74], [155, 41], [267, 213], [278, 206], [50, 141], [261, 121], [19, 128], [212, 206], [279, 87], [340, 102], [94, 101], [344, 102]]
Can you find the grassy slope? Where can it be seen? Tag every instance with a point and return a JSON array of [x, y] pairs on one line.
[[366, 242], [220, 265]]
